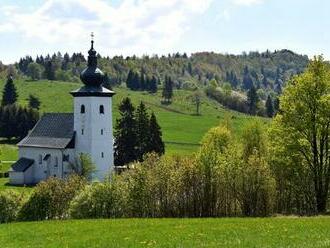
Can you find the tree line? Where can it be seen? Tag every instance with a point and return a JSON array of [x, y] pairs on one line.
[[15, 120], [136, 134]]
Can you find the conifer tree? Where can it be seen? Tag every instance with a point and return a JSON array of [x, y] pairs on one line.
[[129, 80], [125, 134], [156, 143], [9, 95], [276, 105], [153, 85], [253, 99], [168, 89], [247, 80], [34, 102], [142, 130], [269, 107]]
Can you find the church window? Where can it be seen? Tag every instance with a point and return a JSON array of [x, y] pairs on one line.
[[82, 109], [101, 109], [56, 161], [40, 159], [101, 131], [82, 131], [102, 154]]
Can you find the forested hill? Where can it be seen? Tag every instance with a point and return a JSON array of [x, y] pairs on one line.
[[267, 71]]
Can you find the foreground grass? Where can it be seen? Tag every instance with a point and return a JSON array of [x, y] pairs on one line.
[[225, 232]]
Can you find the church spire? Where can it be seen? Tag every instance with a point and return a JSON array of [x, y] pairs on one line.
[[92, 58]]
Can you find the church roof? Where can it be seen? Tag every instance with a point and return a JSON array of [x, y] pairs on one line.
[[22, 164], [53, 130], [92, 77]]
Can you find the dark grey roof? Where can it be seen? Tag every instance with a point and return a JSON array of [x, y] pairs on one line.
[[22, 164], [53, 130], [88, 90]]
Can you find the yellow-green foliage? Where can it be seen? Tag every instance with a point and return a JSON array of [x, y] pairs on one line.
[[10, 204], [51, 199], [300, 141]]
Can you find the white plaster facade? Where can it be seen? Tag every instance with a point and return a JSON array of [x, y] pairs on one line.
[[94, 134]]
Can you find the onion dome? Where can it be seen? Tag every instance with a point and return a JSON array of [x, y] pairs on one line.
[[92, 76]]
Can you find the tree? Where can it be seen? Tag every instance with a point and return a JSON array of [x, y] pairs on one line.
[[276, 105], [35, 71], [167, 89], [9, 95], [153, 85], [125, 134], [34, 102], [84, 166], [269, 107], [253, 99], [196, 99], [301, 130], [16, 121], [129, 80], [247, 80], [155, 143], [142, 130]]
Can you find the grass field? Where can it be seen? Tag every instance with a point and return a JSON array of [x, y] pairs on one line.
[[225, 232], [182, 130]]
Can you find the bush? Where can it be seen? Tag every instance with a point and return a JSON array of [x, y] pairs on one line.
[[10, 204], [100, 200], [51, 199]]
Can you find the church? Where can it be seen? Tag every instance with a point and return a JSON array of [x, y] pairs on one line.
[[58, 139]]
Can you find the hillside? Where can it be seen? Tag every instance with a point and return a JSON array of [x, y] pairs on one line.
[[182, 129], [267, 71]]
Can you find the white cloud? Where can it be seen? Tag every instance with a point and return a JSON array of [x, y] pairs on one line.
[[131, 27], [247, 2]]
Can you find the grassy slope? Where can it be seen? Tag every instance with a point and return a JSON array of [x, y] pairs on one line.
[[225, 232], [178, 123]]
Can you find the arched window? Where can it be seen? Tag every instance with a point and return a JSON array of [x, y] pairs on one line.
[[102, 154], [56, 161], [101, 109], [82, 109], [101, 131]]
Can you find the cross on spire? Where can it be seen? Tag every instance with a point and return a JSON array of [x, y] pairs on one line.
[[92, 39]]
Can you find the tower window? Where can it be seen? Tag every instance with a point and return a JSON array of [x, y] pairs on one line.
[[82, 109], [101, 131], [101, 109], [82, 131], [102, 154]]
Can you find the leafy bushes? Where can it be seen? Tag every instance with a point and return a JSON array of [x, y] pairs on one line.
[[10, 203], [100, 200], [51, 199]]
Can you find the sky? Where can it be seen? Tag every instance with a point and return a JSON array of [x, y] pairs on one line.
[[147, 27]]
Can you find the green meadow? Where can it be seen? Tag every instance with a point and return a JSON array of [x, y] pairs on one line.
[[182, 129], [225, 232]]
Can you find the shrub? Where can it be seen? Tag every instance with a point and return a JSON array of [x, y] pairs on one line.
[[100, 200], [51, 199], [10, 204]]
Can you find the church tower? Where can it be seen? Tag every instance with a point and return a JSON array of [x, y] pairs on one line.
[[93, 118]]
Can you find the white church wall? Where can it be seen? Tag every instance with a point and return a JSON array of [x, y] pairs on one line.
[[94, 132], [16, 178], [41, 171], [28, 176]]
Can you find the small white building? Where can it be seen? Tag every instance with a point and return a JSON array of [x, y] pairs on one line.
[[58, 139]]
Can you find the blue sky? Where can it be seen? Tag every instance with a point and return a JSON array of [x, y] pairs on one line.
[[126, 27]]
